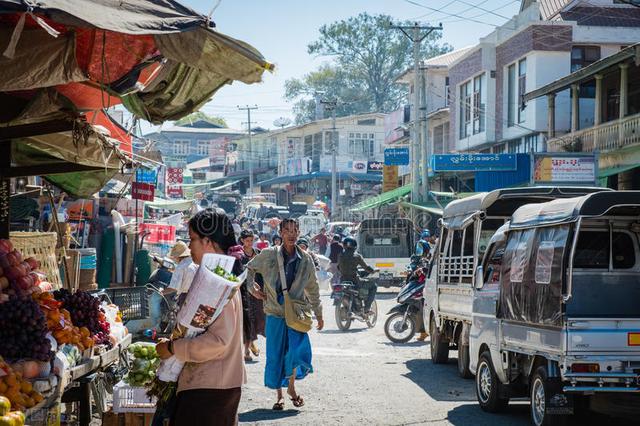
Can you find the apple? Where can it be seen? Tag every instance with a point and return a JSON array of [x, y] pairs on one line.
[[4, 283], [5, 246], [33, 263]]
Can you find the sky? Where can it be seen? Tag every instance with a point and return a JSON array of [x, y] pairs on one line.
[[282, 29]]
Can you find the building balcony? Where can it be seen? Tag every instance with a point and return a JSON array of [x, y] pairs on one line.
[[608, 136]]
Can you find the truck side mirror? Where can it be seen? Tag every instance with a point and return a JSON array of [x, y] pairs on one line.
[[479, 277]]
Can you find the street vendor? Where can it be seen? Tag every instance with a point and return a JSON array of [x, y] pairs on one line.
[[209, 386]]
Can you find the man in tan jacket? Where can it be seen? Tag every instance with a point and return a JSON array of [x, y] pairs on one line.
[[288, 351]]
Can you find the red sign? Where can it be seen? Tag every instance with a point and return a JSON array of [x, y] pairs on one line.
[[142, 191], [174, 182], [159, 234]]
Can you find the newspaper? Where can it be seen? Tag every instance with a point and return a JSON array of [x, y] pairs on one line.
[[207, 296]]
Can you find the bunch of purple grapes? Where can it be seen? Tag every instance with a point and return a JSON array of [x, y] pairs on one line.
[[83, 307], [23, 330]]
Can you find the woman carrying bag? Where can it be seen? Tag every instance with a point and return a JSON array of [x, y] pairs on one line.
[[209, 386], [290, 294]]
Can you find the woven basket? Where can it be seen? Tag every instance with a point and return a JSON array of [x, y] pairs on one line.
[[42, 246]]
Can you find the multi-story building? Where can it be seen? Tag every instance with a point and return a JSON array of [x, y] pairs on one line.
[[304, 158], [547, 40], [181, 145], [613, 129]]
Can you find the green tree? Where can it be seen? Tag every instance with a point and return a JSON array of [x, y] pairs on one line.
[[199, 115], [367, 59]]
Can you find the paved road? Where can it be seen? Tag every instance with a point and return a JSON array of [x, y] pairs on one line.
[[362, 377]]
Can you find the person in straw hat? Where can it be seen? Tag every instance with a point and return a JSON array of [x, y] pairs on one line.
[[185, 268]]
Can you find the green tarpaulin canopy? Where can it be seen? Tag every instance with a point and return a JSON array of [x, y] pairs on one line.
[[174, 205], [382, 199]]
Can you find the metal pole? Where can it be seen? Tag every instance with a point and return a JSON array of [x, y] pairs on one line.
[[334, 174], [250, 154], [426, 139], [415, 136]]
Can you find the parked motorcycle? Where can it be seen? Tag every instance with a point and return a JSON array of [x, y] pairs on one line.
[[349, 299], [405, 318]]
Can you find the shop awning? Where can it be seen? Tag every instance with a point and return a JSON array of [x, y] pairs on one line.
[[357, 177], [610, 171], [382, 199], [429, 209], [173, 205], [226, 185]]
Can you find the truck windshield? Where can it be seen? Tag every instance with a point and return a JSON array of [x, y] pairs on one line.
[[606, 282]]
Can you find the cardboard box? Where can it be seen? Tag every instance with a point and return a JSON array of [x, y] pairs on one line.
[[126, 419]]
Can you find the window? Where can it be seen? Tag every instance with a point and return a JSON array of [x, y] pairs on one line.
[[478, 105], [581, 56], [522, 88], [465, 109], [367, 122], [498, 149], [446, 91], [544, 262], [592, 251], [362, 144], [518, 263], [203, 147], [511, 95], [180, 147]]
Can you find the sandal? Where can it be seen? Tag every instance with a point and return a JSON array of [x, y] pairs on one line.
[[247, 358], [297, 401], [278, 406], [254, 349]]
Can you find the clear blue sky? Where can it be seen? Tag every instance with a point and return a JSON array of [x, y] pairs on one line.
[[281, 30]]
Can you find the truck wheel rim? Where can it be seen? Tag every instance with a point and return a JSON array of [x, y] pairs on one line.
[[538, 402], [484, 382]]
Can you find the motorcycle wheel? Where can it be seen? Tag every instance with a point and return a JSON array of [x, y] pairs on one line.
[[343, 316], [399, 329], [373, 319]]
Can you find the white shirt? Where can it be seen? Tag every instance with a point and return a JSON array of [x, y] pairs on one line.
[[183, 275]]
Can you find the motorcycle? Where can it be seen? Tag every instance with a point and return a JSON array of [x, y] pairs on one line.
[[405, 317], [349, 300]]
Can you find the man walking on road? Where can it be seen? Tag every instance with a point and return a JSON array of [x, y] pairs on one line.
[[322, 241], [288, 350]]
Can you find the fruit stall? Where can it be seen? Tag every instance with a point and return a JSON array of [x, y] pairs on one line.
[[55, 344]]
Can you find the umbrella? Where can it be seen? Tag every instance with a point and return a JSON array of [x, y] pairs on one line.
[[320, 204], [274, 222]]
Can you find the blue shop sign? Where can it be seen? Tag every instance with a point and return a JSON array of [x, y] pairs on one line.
[[396, 157], [474, 162], [146, 176]]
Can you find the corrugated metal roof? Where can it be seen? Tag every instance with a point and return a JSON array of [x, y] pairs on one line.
[[448, 58]]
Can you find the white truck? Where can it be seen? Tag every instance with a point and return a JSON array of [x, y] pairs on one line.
[[555, 309], [465, 229]]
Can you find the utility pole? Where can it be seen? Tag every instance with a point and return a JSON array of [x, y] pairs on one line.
[[250, 156], [417, 33], [331, 106]]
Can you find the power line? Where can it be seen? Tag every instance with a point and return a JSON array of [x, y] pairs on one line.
[[249, 109], [449, 14]]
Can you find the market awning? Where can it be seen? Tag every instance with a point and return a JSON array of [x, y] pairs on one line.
[[173, 205], [429, 209], [357, 177], [226, 185], [382, 199]]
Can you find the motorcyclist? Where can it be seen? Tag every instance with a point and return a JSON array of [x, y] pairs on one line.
[[348, 263], [423, 248]]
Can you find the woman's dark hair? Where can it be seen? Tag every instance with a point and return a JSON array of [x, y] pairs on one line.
[[215, 225], [276, 237], [245, 234]]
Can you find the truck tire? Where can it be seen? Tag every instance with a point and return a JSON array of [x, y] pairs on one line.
[[463, 358], [539, 394], [439, 345], [488, 386]]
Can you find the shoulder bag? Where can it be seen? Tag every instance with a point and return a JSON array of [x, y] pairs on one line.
[[297, 313]]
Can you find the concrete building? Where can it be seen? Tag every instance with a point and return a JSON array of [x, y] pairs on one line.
[[301, 161], [181, 145], [613, 131], [546, 41]]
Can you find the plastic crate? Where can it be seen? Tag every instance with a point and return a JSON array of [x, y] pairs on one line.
[[127, 399], [132, 301]]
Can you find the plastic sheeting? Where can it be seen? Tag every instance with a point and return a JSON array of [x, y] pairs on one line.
[[532, 275]]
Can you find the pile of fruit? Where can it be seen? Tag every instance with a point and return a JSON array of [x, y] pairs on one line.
[[144, 366], [23, 330], [16, 389], [86, 312], [8, 417], [60, 324], [18, 276]]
